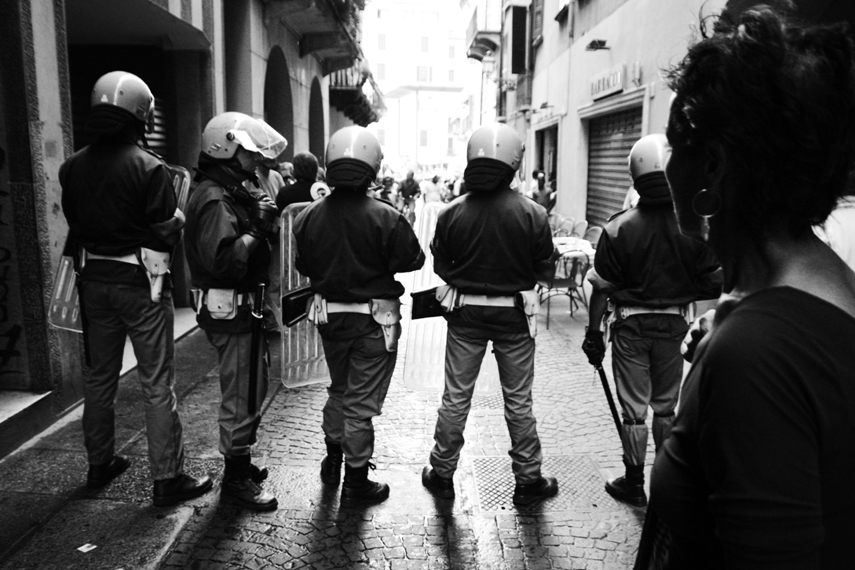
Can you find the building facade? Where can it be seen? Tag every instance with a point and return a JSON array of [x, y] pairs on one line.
[[272, 59]]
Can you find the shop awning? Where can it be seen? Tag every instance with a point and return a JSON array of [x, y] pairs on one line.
[[130, 22]]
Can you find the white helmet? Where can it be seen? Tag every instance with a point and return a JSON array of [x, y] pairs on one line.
[[354, 157], [356, 143], [649, 154], [275, 143], [126, 91], [227, 131], [498, 142]]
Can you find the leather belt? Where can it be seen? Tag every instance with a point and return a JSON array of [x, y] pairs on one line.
[[626, 311], [128, 258], [488, 300], [362, 308]]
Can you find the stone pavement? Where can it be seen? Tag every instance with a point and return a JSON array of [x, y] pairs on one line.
[[48, 512]]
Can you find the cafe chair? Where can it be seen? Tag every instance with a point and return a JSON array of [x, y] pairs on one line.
[[565, 228], [566, 281], [579, 228], [592, 234], [555, 219]]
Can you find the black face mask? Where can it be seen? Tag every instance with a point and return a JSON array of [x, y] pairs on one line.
[[486, 174], [652, 189]]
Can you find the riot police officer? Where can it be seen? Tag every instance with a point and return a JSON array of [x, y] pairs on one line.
[[350, 246], [120, 205], [648, 276], [228, 228], [491, 246]]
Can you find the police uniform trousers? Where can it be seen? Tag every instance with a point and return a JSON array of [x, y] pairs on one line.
[[360, 370], [464, 351], [114, 312], [648, 370], [238, 428]]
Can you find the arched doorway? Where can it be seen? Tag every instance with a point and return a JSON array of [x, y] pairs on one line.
[[278, 108], [316, 122]]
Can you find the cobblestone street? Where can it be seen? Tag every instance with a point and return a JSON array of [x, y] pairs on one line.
[[580, 528], [49, 513]]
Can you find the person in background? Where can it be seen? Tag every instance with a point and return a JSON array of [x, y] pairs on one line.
[[350, 247], [228, 250], [649, 275], [491, 247], [756, 473], [118, 199], [408, 193], [305, 176]]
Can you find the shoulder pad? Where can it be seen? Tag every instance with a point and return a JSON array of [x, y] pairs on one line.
[[613, 216]]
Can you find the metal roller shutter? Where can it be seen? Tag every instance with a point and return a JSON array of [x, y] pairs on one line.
[[610, 138]]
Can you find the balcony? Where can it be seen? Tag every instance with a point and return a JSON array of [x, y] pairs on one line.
[[327, 28], [483, 36], [354, 93]]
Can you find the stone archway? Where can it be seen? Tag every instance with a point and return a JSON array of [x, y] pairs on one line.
[[278, 105], [317, 128]]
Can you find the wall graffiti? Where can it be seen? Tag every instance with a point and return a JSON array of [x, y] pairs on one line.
[[12, 364]]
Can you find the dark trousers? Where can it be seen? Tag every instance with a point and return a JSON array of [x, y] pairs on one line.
[[238, 428], [361, 370], [114, 312], [464, 351]]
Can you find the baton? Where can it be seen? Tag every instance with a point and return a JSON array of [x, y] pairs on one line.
[[612, 406], [255, 346]]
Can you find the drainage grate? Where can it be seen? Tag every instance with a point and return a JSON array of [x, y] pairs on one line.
[[495, 401], [580, 486]]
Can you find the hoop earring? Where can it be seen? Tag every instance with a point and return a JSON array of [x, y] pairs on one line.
[[706, 204]]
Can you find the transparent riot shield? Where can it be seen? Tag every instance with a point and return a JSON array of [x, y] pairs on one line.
[[424, 365], [303, 360]]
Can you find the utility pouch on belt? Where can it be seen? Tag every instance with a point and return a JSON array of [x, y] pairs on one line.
[[387, 313], [426, 304], [156, 265], [529, 303], [316, 310], [222, 304]]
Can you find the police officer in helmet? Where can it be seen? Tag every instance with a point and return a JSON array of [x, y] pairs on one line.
[[228, 250], [120, 204], [351, 246], [647, 277], [491, 246]]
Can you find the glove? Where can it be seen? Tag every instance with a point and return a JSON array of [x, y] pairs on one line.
[[262, 219], [594, 347], [697, 332]]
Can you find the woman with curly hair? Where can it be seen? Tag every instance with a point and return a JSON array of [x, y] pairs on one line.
[[758, 471]]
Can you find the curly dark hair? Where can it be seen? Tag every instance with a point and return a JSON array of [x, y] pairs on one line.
[[778, 99]]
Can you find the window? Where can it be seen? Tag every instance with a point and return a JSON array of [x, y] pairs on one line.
[[423, 73], [537, 20], [451, 76], [451, 52], [381, 41], [424, 44], [381, 137], [423, 138], [381, 71]]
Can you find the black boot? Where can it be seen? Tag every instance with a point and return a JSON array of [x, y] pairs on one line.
[[257, 474], [359, 489], [331, 465], [629, 488], [530, 493], [239, 488]]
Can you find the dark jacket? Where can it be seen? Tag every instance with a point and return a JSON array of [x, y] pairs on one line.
[[493, 243], [118, 197]]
